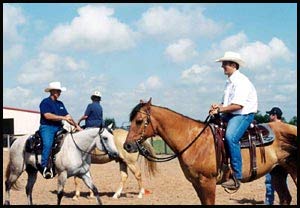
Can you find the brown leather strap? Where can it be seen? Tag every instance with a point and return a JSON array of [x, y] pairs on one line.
[[253, 166], [259, 136]]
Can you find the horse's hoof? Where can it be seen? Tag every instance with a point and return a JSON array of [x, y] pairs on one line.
[[75, 198], [91, 197], [140, 196], [6, 202]]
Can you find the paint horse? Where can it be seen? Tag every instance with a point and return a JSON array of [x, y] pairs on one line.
[[125, 160], [198, 160]]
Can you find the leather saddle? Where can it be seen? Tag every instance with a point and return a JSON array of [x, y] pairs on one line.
[[34, 145], [257, 135]]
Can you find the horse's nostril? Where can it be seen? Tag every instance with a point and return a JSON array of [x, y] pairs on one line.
[[127, 146]]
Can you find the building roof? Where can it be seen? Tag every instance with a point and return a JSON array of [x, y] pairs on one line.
[[19, 109]]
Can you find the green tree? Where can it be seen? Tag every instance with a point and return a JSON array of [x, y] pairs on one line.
[[108, 121], [259, 118], [293, 121]]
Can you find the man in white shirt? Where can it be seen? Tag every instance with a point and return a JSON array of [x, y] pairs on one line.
[[238, 108]]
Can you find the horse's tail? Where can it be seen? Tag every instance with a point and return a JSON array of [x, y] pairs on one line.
[[151, 166], [14, 184]]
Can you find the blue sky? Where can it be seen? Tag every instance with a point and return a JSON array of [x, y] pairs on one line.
[[133, 51]]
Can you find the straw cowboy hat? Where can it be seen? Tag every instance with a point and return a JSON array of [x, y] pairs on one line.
[[232, 56], [96, 94], [55, 86]]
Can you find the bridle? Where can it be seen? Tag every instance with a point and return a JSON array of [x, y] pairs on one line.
[[143, 151], [89, 152]]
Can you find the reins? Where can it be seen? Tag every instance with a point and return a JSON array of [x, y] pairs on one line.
[[81, 150], [152, 158]]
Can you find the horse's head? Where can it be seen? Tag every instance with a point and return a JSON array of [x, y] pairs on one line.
[[107, 143], [141, 126]]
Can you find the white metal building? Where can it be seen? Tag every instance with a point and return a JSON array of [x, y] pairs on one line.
[[20, 121]]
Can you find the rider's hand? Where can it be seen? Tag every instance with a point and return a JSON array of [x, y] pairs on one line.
[[68, 119], [78, 128], [213, 109]]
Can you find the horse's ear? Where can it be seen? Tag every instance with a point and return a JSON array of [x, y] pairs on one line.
[[110, 126], [141, 101], [148, 104]]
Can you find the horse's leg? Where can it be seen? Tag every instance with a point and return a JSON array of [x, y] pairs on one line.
[[124, 176], [62, 178], [292, 170], [279, 176], [89, 183], [138, 175], [205, 189], [32, 175], [77, 191], [12, 174]]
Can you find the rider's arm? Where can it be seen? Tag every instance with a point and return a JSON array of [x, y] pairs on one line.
[[230, 108], [82, 118]]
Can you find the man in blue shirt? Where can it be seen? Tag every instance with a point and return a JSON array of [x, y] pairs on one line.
[[93, 114], [52, 112]]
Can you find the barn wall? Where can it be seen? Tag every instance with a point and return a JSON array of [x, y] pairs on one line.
[[25, 122]]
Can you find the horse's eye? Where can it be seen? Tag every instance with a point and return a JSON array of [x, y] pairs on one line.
[[139, 122], [105, 138]]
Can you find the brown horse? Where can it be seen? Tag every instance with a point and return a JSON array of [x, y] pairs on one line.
[[198, 161], [126, 160]]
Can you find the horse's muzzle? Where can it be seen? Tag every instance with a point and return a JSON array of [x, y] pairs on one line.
[[113, 155], [130, 147]]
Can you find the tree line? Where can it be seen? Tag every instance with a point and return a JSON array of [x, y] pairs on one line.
[[258, 117], [265, 119]]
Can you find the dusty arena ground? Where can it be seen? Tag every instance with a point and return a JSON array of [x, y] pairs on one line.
[[168, 187]]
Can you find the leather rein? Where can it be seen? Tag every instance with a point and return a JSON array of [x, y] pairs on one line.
[[89, 152], [143, 151]]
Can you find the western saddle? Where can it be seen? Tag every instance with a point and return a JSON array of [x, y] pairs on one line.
[[257, 135]]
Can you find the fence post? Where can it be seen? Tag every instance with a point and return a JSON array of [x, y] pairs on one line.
[[8, 142]]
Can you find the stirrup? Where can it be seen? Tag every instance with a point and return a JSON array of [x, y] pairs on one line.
[[47, 174]]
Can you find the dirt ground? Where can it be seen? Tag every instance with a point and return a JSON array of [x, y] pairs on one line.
[[168, 187]]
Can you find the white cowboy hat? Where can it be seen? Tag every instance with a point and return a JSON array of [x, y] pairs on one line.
[[232, 56], [97, 93], [55, 86]]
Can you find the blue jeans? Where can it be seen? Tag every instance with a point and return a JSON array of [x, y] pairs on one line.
[[269, 190], [47, 133], [236, 127]]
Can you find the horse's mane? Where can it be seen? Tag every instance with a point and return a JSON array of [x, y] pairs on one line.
[[138, 107]]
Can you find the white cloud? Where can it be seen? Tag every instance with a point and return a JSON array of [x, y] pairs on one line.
[[152, 83], [24, 97], [256, 54], [13, 17], [182, 50], [46, 67], [12, 54], [175, 23], [73, 65], [234, 42], [94, 29], [195, 74]]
